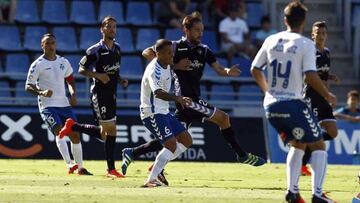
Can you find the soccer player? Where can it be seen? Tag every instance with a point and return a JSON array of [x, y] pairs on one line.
[[320, 107], [154, 110], [46, 80], [102, 63], [289, 58], [190, 56]]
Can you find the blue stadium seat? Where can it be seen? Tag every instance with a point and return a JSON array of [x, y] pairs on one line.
[[20, 90], [131, 65], [54, 12], [4, 89], [209, 38], [82, 90], [65, 39], [250, 93], [245, 65], [33, 36], [173, 34], [83, 12], [112, 8], [223, 61], [133, 91], [124, 38], [209, 71], [89, 36], [222, 92], [74, 60], [27, 12], [138, 13], [157, 7], [255, 11], [10, 38], [146, 38], [204, 92], [17, 66]]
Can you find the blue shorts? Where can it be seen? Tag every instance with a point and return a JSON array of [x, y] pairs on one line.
[[56, 116], [293, 119], [163, 126]]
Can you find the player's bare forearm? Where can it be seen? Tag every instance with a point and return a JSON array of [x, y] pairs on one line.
[[87, 73], [71, 87], [148, 54], [161, 94], [260, 79], [36, 91]]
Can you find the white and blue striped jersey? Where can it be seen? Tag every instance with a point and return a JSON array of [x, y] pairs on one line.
[[286, 56], [155, 77], [50, 75]]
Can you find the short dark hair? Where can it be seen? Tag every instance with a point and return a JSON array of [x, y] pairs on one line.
[[265, 19], [353, 93], [295, 13], [161, 44], [320, 24], [106, 19], [48, 35], [190, 20]]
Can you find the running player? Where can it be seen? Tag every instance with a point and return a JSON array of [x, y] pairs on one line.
[[321, 108], [46, 80], [154, 110], [102, 63], [289, 58], [190, 56]]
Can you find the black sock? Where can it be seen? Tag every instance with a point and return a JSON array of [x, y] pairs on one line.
[[326, 136], [306, 156], [92, 130], [152, 146], [109, 151], [230, 138]]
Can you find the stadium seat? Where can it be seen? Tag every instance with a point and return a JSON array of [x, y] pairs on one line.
[[112, 8], [82, 90], [138, 13], [27, 12], [10, 38], [255, 11], [209, 71], [157, 7], [209, 38], [124, 38], [245, 65], [83, 12], [250, 93], [74, 60], [133, 91], [223, 61], [20, 91], [173, 34], [66, 39], [89, 36], [17, 66], [54, 12], [222, 92], [204, 92], [33, 35], [4, 89], [146, 38], [131, 65]]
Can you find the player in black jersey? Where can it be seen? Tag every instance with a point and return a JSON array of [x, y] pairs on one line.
[[102, 64], [190, 57], [321, 108]]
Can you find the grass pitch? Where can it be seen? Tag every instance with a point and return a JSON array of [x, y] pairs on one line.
[[48, 181]]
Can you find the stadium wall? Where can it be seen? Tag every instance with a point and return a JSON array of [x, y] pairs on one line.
[[24, 135]]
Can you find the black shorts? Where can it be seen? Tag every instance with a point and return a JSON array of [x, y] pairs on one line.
[[104, 106], [199, 110], [320, 107]]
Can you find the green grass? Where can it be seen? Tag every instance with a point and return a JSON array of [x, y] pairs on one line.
[[47, 181]]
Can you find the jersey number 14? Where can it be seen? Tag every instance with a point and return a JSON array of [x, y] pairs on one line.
[[278, 72]]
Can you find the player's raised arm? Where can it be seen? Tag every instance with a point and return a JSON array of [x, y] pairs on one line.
[[149, 53], [233, 71]]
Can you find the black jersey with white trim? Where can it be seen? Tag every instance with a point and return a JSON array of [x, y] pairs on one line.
[[187, 83]]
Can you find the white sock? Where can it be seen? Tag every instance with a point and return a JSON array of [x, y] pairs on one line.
[[76, 150], [161, 160], [318, 166], [293, 168], [180, 148], [64, 150]]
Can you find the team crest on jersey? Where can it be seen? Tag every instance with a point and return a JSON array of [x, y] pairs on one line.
[[195, 64], [62, 67], [199, 51], [298, 133]]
